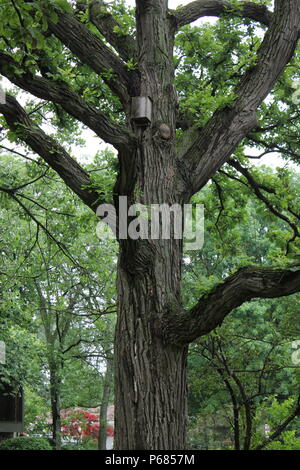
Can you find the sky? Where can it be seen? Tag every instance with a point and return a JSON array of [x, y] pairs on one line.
[[94, 144]]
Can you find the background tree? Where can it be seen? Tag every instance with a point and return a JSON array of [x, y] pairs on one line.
[[74, 57], [52, 306], [236, 371]]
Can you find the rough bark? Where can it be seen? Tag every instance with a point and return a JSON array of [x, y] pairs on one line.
[[91, 50], [150, 385], [53, 153], [150, 375], [60, 92], [205, 150]]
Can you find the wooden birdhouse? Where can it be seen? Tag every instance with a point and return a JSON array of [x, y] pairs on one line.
[[141, 110]]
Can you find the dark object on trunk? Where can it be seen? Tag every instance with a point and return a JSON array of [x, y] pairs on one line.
[[141, 110], [11, 409], [165, 131]]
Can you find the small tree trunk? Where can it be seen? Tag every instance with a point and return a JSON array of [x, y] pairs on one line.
[[104, 405], [248, 412], [235, 408], [55, 406]]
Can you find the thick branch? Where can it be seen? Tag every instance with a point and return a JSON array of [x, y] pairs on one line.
[[54, 154], [92, 51], [205, 150], [182, 327], [59, 92], [106, 24], [200, 8]]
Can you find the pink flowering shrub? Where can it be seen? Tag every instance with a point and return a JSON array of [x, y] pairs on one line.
[[82, 425]]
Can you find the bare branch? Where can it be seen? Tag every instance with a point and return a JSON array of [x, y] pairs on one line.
[[54, 154], [106, 24], [274, 147], [15, 152], [39, 225], [60, 92]]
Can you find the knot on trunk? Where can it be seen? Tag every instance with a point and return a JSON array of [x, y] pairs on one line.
[[136, 256], [163, 134], [169, 326]]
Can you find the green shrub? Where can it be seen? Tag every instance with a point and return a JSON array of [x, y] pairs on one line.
[[25, 443], [69, 446], [288, 441], [90, 444]]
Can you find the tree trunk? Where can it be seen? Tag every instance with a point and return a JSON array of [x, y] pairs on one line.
[[150, 373], [235, 408], [104, 405], [55, 406], [150, 387]]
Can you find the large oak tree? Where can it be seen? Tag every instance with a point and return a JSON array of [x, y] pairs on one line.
[[153, 329]]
